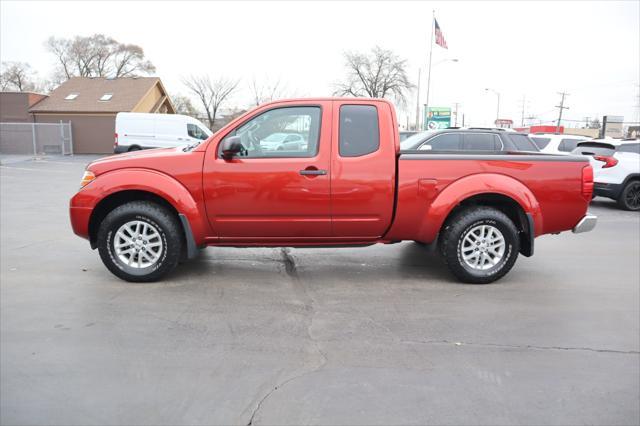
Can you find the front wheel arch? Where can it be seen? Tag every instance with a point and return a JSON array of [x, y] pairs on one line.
[[112, 201]]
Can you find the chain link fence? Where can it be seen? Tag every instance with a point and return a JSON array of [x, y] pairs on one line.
[[36, 138]]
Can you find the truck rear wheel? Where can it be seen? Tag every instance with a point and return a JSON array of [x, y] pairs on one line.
[[480, 245], [140, 241]]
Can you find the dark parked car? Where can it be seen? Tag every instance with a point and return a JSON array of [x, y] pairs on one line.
[[406, 134], [469, 139]]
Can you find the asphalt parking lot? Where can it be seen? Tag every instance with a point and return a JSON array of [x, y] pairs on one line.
[[378, 335]]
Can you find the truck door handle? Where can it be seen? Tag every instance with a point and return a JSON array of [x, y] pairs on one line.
[[312, 171]]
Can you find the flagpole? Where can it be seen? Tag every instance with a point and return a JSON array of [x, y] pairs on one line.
[[426, 105]]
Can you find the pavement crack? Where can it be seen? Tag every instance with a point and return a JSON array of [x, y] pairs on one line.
[[531, 347], [289, 262], [302, 292]]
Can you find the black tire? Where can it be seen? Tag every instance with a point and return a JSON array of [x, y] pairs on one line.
[[451, 243], [162, 220], [629, 198], [134, 148]]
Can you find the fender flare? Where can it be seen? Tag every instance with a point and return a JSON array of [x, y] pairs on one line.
[[155, 182], [473, 185]]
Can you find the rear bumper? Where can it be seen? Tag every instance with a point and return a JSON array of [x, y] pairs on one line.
[[586, 224], [609, 190]]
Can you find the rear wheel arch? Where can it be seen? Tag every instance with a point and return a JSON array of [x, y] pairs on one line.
[[522, 220]]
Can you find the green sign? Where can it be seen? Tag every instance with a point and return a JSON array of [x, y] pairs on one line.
[[438, 118]]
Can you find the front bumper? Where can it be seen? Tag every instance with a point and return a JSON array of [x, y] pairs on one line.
[[586, 224]]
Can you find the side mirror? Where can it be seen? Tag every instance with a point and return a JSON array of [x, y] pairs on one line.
[[231, 147]]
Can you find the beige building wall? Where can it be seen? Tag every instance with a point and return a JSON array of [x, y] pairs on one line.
[[92, 133], [147, 103], [592, 133]]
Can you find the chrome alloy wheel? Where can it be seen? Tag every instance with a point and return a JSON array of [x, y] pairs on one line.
[[482, 247], [138, 244]]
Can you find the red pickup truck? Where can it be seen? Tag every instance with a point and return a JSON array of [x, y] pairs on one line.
[[325, 173]]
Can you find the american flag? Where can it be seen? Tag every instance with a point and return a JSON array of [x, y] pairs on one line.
[[440, 41]]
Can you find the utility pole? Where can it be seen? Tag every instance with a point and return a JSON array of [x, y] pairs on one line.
[[522, 116], [561, 107], [586, 122], [455, 124], [418, 103]]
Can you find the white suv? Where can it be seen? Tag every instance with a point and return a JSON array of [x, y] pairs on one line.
[[616, 169], [552, 143]]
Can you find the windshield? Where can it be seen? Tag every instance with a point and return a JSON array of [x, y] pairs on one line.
[[412, 142]]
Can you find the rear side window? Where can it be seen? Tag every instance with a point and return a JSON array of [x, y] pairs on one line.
[[629, 147], [568, 145], [541, 142], [522, 142], [445, 142], [359, 130], [481, 142]]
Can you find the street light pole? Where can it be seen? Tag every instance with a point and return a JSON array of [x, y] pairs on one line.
[[498, 107]]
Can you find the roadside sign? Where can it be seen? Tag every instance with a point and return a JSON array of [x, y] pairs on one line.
[[438, 118], [612, 126]]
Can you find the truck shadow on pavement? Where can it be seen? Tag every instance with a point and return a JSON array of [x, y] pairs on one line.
[[406, 261]]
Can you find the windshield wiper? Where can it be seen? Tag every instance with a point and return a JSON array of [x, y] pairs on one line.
[[191, 146]]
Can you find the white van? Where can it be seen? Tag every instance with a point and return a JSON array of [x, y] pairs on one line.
[[135, 130]]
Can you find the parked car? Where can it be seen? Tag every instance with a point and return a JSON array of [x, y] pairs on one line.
[[405, 134], [469, 139], [283, 141], [135, 131], [616, 167], [556, 144], [351, 185]]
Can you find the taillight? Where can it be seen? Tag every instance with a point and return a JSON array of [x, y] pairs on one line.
[[115, 143], [587, 182], [608, 161]]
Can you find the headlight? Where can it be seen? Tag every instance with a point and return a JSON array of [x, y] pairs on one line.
[[87, 178]]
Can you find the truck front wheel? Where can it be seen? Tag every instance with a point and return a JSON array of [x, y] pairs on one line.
[[479, 245], [140, 241]]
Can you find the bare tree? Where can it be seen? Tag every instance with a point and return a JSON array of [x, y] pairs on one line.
[[17, 76], [97, 56], [211, 93], [378, 74], [266, 91], [184, 105], [129, 61]]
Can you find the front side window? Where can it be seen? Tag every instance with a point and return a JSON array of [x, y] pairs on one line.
[[444, 142], [359, 130], [196, 132], [481, 142], [281, 132], [414, 141]]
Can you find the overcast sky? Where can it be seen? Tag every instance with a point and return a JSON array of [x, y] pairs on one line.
[[531, 49]]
